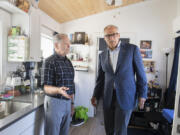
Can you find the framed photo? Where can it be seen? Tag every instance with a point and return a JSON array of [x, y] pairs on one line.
[[146, 44], [79, 38], [71, 38], [146, 53], [149, 66], [86, 39]]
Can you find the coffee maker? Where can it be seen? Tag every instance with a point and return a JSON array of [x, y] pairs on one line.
[[28, 67], [39, 74], [34, 73], [30, 75]]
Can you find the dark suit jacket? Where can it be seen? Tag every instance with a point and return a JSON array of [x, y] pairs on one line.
[[129, 78]]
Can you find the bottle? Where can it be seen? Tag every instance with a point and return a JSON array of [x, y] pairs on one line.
[[156, 80]]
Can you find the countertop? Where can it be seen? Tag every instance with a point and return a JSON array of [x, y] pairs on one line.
[[36, 100]]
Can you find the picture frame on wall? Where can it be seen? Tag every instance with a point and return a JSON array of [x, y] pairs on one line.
[[145, 44], [79, 38], [147, 54], [71, 38], [86, 39], [149, 66]]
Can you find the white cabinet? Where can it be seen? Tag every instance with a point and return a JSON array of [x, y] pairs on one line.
[[32, 124], [30, 25], [35, 42], [18, 16], [6, 5]]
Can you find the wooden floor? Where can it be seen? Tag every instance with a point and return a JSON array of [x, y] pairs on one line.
[[94, 126]]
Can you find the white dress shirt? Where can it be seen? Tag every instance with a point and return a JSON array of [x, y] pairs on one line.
[[114, 56]]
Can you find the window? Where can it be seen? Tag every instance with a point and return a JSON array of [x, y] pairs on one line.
[[47, 46]]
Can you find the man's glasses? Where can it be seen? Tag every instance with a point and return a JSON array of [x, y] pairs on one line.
[[111, 35]]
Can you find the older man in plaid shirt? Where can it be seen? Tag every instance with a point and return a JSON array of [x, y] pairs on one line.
[[59, 88]]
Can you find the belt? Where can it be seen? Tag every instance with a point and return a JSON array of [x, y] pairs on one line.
[[58, 96]]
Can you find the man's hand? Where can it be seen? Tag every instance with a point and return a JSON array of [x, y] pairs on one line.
[[62, 91], [94, 101], [141, 103]]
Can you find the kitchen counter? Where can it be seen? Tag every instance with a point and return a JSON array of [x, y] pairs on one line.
[[36, 100]]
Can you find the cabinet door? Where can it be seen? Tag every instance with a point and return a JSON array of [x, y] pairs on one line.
[[32, 124], [35, 50]]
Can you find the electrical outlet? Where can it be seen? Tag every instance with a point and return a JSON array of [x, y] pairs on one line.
[[178, 128]]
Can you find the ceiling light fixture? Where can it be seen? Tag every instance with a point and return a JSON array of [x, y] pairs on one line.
[[34, 3], [118, 2], [114, 2], [109, 2]]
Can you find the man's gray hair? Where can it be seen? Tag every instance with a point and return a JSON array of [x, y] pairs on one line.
[[59, 37], [111, 26]]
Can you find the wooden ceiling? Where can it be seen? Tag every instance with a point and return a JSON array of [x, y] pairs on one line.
[[67, 10]]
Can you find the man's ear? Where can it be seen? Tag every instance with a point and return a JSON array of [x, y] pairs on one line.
[[119, 35]]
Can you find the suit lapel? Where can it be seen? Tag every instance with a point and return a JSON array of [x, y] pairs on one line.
[[107, 62], [120, 56]]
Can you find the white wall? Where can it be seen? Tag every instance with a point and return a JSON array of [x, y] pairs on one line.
[[48, 25], [176, 22], [149, 20], [178, 5], [6, 23]]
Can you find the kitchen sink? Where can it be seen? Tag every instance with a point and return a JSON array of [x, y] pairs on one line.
[[10, 107]]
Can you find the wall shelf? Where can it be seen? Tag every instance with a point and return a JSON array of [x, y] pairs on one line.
[[78, 61], [80, 45], [79, 56], [6, 5], [85, 69]]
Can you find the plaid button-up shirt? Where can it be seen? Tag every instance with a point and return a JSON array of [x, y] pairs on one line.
[[59, 72]]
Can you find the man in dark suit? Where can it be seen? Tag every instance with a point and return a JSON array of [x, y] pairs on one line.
[[121, 81]]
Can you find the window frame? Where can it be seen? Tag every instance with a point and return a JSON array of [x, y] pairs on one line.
[[47, 37]]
